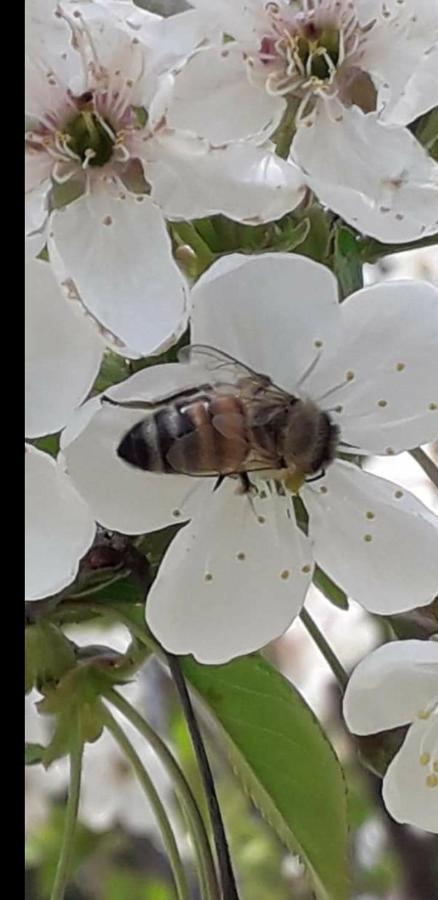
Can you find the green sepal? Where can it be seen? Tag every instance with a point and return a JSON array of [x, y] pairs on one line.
[[330, 590], [48, 655], [317, 243], [293, 235], [76, 696]]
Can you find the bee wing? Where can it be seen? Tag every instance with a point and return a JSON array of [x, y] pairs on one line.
[[220, 366], [223, 370]]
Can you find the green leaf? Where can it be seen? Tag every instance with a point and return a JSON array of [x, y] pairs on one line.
[[330, 590], [285, 762], [347, 261]]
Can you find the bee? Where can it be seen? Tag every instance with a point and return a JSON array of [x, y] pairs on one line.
[[236, 422]]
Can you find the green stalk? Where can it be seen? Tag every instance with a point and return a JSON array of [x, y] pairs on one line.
[[71, 814], [283, 136], [371, 250], [324, 647], [154, 800], [207, 871]]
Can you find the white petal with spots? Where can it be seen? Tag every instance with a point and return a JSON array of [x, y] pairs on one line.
[[191, 179], [232, 580], [214, 99], [116, 250], [377, 542], [387, 347], [394, 199], [272, 312], [120, 496]]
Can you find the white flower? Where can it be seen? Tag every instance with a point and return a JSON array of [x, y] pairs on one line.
[[236, 576], [395, 685], [346, 69], [109, 244], [63, 355], [103, 168]]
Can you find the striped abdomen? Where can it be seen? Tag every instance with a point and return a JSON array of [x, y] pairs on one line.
[[202, 435]]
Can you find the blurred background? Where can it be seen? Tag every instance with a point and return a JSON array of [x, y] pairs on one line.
[[118, 853]]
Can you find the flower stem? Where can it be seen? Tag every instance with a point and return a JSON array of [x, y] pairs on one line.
[[209, 885], [285, 131], [229, 889], [371, 251], [71, 815], [154, 800], [324, 647], [426, 463]]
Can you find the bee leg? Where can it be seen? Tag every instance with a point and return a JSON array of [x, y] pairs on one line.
[[320, 475], [219, 481], [245, 486]]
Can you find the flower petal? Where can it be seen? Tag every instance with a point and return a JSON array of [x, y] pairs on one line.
[[410, 790], [59, 526], [190, 179], [385, 367], [420, 94], [209, 90], [287, 308], [63, 353], [395, 199], [395, 47], [117, 252], [170, 40], [367, 534], [232, 580], [122, 497], [391, 685]]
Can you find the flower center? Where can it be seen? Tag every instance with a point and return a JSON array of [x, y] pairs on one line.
[[314, 51], [90, 138], [301, 53], [310, 53]]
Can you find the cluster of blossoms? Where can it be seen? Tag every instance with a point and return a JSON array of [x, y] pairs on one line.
[[238, 108]]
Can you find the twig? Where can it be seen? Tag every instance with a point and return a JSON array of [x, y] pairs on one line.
[[229, 888]]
